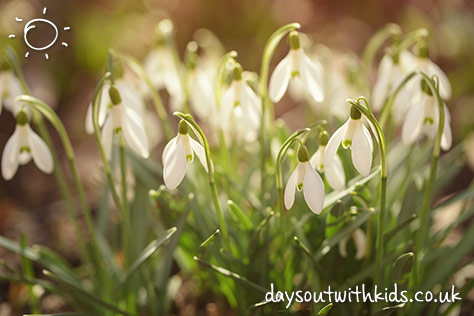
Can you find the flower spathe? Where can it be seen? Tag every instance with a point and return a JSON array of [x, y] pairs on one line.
[[241, 105], [178, 153], [22, 146], [296, 65], [306, 179], [334, 173], [354, 135], [423, 118], [125, 121]]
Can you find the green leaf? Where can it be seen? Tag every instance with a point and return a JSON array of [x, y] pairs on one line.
[[325, 310], [149, 251], [43, 256], [389, 310], [403, 265], [240, 279], [70, 288], [241, 217]]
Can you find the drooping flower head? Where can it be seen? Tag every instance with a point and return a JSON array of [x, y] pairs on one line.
[[240, 108], [123, 121], [10, 88], [23, 145], [360, 243], [354, 135], [296, 65], [422, 118], [334, 173], [161, 65], [305, 178], [178, 153]]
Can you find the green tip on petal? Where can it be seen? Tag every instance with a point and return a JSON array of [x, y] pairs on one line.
[[22, 118], [114, 96], [183, 127], [355, 113], [294, 40], [303, 154], [323, 138], [237, 74]]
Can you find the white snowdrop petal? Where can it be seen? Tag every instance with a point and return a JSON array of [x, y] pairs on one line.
[[412, 126], [279, 79], [333, 144], [199, 150], [380, 90], [316, 159], [446, 137], [130, 96], [89, 123], [444, 85], [335, 174], [360, 241], [311, 78], [104, 104], [251, 106], [40, 152], [290, 189], [169, 148], [134, 133], [227, 104], [10, 156], [107, 136], [361, 151], [342, 247], [313, 189], [175, 166]]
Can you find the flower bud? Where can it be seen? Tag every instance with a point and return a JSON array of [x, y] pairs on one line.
[[355, 113], [294, 40], [422, 49], [183, 127], [237, 74], [114, 96], [22, 118], [303, 154], [323, 138]]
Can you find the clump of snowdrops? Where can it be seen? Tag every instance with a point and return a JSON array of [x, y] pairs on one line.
[[231, 196]]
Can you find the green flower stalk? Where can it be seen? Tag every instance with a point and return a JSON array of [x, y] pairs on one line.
[[208, 162], [379, 246]]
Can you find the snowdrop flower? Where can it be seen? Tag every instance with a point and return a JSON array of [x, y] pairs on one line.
[[360, 242], [423, 118], [354, 135], [241, 105], [23, 145], [123, 120], [199, 85], [335, 172], [10, 88], [431, 69], [296, 65], [393, 68], [160, 64], [306, 179], [178, 153], [130, 96]]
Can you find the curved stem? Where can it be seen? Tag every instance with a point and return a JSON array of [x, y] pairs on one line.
[[374, 44], [268, 52], [383, 187], [159, 107], [220, 76], [212, 183], [388, 105], [63, 186], [52, 117], [424, 218]]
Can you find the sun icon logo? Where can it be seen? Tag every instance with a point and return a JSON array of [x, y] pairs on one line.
[[30, 25]]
